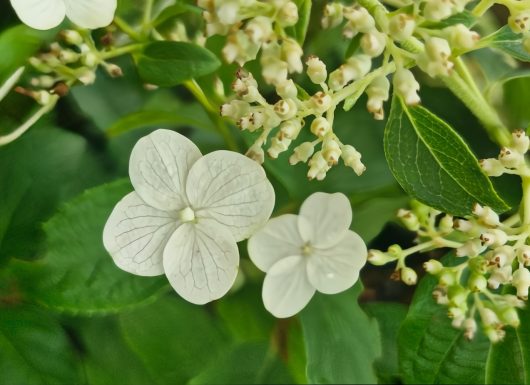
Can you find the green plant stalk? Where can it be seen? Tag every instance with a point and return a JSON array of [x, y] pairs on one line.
[[213, 114], [474, 100], [525, 203], [482, 7], [126, 28]]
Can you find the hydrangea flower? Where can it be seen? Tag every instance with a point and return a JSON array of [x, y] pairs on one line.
[[308, 252], [47, 14], [186, 214]]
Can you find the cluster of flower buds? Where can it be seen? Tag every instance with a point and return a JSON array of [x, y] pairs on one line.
[[252, 26], [282, 121], [511, 160], [494, 253], [62, 65]]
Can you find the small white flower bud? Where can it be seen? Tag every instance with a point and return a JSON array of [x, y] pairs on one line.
[[477, 283], [377, 92], [287, 89], [352, 158], [494, 238], [409, 276], [511, 158], [90, 59], [286, 109], [373, 43], [438, 9], [42, 97], [68, 56], [510, 317], [489, 317], [406, 86], [435, 59], [379, 258], [357, 67], [401, 26], [521, 281], [302, 153], [274, 70], [331, 151], [291, 128], [88, 77], [458, 314], [409, 219], [521, 141], [235, 110], [433, 266], [463, 225], [502, 255], [470, 248], [316, 70], [278, 145], [440, 296], [113, 70], [499, 277], [227, 12], [332, 15], [519, 21], [320, 126], [470, 328], [256, 153], [359, 18], [523, 255], [461, 37], [72, 37], [486, 215], [446, 224], [271, 119], [288, 15], [492, 166], [321, 102], [259, 29], [318, 167], [292, 53]]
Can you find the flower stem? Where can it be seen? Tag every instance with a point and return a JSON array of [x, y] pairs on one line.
[[126, 28], [481, 8], [146, 23], [213, 114], [525, 204]]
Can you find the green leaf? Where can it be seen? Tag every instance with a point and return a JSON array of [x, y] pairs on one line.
[[175, 10], [433, 164], [168, 63], [466, 18], [17, 44], [174, 339], [34, 349], [299, 31], [249, 363], [342, 343], [77, 275], [431, 351], [389, 317], [507, 41], [354, 45], [516, 91], [106, 358]]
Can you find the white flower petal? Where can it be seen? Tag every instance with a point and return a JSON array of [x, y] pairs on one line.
[[135, 235], [286, 288], [91, 13], [201, 261], [40, 14], [327, 217], [337, 268], [159, 166], [278, 239], [232, 190]]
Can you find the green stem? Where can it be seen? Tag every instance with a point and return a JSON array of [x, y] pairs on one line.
[[479, 107], [146, 23], [126, 28], [121, 51], [482, 7], [525, 204], [213, 114]]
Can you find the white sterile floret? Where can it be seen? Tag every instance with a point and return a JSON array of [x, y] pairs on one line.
[[48, 14], [312, 251], [186, 214]]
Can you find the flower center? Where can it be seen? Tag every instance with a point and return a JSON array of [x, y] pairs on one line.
[[186, 215], [307, 249]]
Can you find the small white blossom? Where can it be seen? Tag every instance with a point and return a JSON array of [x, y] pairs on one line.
[[186, 214], [48, 14], [314, 251]]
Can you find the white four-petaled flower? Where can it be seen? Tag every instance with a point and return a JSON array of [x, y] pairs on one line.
[[186, 214], [47, 14], [312, 251]]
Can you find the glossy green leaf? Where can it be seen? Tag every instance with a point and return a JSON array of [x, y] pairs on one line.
[[508, 42], [431, 351], [34, 349], [76, 274], [249, 363], [17, 44], [516, 92], [342, 343], [389, 317], [175, 340], [168, 63], [175, 10], [433, 164]]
